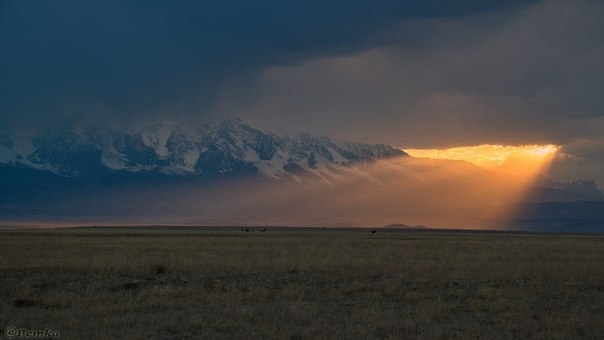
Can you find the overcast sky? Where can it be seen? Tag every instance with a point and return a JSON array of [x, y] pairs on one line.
[[407, 73]]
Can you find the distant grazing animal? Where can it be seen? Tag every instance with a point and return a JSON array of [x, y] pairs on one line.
[[373, 231]]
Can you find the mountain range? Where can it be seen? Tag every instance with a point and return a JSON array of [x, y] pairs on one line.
[[234, 173], [231, 146]]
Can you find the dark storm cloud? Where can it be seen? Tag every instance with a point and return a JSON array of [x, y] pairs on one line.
[[406, 73], [533, 75], [133, 60]]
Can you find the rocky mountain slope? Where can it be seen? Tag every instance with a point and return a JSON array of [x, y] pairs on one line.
[[232, 146]]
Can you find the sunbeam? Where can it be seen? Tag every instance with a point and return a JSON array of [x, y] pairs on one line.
[[513, 171]]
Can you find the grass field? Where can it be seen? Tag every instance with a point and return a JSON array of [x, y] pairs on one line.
[[106, 283]]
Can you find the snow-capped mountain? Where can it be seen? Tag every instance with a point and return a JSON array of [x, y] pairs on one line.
[[232, 146], [169, 173]]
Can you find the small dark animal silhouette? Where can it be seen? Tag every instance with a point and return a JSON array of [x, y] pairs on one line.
[[373, 231]]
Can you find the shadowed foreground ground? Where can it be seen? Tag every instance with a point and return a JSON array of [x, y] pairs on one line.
[[224, 283]]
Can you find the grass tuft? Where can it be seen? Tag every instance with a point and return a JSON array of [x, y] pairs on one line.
[[27, 303], [159, 269]]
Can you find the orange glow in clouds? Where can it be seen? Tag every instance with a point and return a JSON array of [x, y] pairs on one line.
[[518, 164], [519, 160]]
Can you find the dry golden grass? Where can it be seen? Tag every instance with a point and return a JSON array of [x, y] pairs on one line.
[[224, 283]]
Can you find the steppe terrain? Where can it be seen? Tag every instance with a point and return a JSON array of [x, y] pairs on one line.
[[224, 282]]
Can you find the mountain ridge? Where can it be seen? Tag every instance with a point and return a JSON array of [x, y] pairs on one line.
[[231, 146], [208, 175]]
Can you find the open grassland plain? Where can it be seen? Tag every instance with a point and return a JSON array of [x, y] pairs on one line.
[[130, 283]]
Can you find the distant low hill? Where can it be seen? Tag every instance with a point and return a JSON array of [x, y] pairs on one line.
[[404, 226]]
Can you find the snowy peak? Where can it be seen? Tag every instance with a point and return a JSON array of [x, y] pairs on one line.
[[231, 146], [156, 136]]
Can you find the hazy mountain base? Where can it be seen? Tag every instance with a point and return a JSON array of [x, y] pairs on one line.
[[443, 194], [223, 283], [377, 194]]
